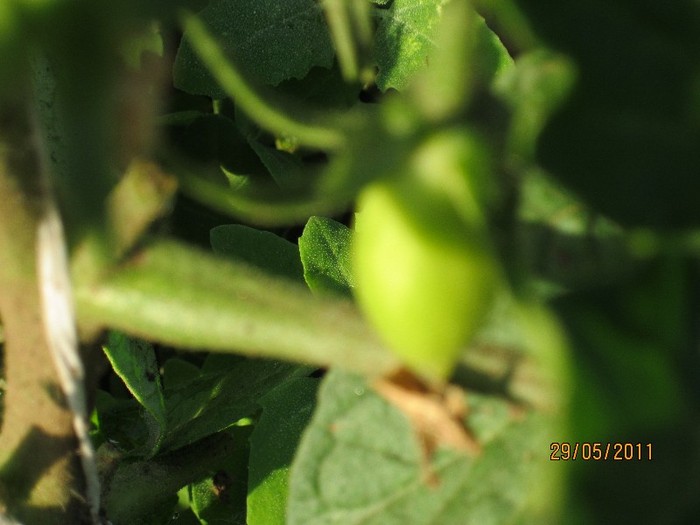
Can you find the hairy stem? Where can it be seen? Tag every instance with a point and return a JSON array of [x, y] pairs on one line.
[[174, 294]]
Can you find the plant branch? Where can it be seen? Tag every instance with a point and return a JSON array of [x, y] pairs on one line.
[[180, 296], [315, 134], [175, 294]]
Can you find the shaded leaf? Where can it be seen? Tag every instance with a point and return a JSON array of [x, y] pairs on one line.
[[135, 362], [624, 141], [286, 169], [322, 88], [273, 41], [262, 249], [178, 372], [325, 253], [215, 401], [220, 498], [124, 424], [286, 412]]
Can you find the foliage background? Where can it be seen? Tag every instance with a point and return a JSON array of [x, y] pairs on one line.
[[590, 112]]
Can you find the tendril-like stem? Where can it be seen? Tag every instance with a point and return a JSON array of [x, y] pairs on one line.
[[314, 134]]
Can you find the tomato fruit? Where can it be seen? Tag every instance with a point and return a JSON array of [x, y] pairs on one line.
[[424, 271]]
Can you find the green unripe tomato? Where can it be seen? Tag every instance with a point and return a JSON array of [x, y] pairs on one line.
[[424, 271]]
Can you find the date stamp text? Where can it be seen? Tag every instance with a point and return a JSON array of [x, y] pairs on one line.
[[593, 451]]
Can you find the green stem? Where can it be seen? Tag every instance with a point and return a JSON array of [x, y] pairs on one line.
[[180, 296], [313, 134], [339, 22], [183, 297]]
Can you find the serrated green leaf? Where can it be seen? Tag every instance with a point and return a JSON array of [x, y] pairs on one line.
[[271, 40], [360, 463], [262, 249], [404, 39], [215, 401], [135, 362], [286, 412], [325, 253]]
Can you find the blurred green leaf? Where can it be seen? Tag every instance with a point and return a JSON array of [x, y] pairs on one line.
[[272, 41], [361, 462], [626, 140], [404, 39], [135, 362], [623, 336], [286, 411], [636, 360], [537, 84], [564, 244], [259, 248], [325, 253]]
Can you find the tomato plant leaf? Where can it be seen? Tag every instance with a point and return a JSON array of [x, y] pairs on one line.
[[286, 411], [271, 40], [359, 462], [124, 424], [259, 248], [404, 39], [325, 253], [177, 372], [215, 401], [135, 362]]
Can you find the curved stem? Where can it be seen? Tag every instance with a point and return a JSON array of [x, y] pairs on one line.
[[232, 81]]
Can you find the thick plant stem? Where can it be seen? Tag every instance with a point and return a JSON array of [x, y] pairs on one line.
[[39, 474], [177, 295]]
